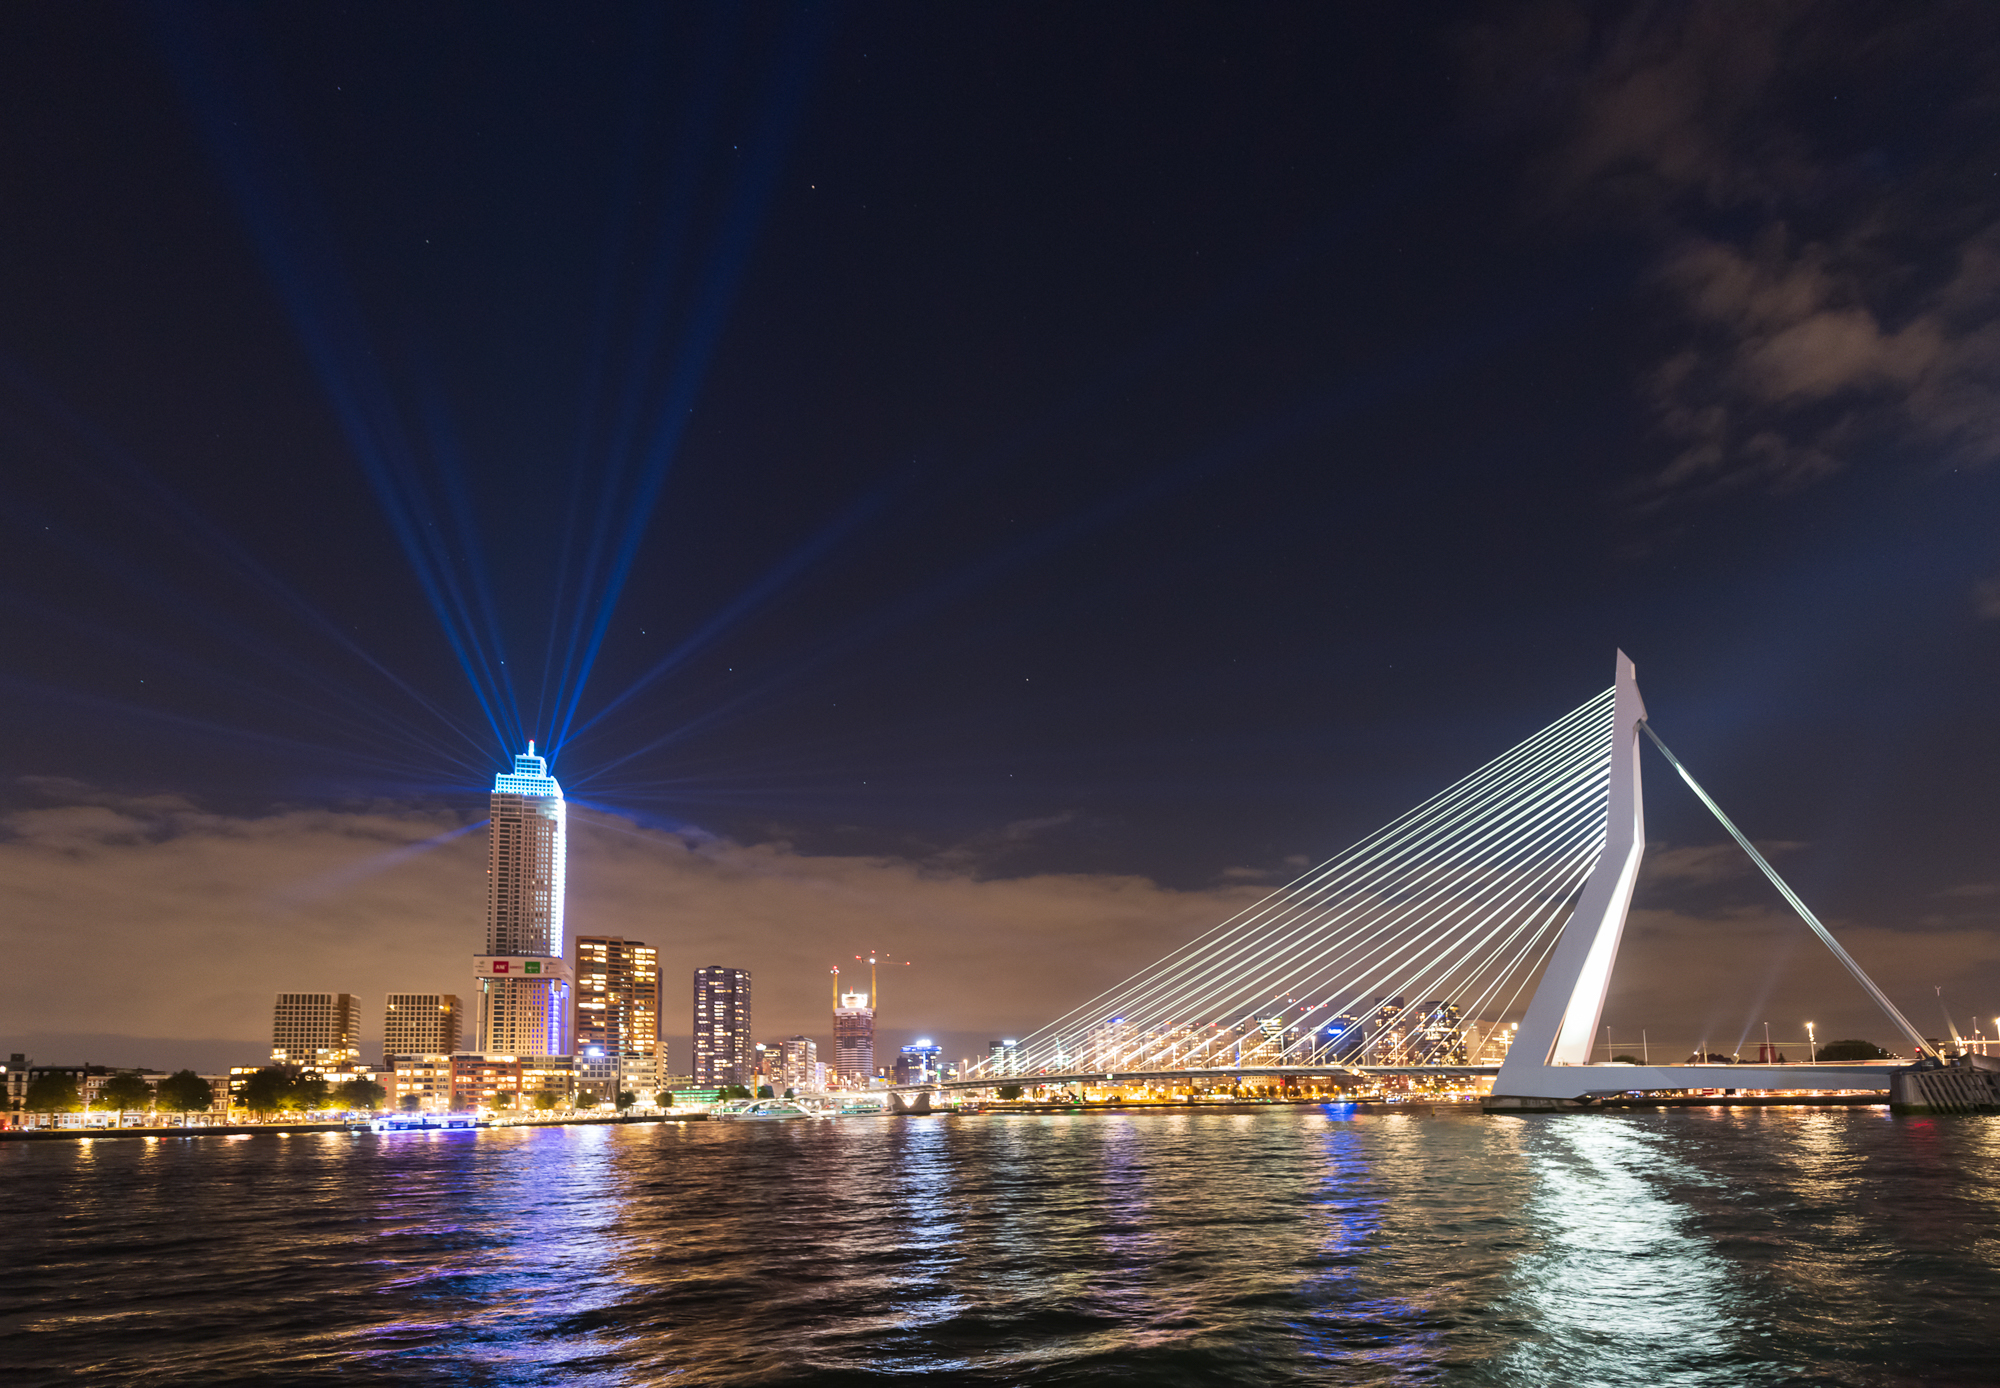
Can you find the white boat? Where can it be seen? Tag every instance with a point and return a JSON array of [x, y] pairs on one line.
[[424, 1122], [763, 1109]]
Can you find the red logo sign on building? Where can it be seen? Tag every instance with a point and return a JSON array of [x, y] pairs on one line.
[[500, 966]]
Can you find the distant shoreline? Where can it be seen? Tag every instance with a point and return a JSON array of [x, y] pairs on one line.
[[255, 1129]]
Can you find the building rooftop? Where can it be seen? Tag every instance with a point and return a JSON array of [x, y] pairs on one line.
[[530, 776]]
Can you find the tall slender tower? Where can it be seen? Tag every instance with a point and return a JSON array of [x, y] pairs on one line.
[[523, 981]]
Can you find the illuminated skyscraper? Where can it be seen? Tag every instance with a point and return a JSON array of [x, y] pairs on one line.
[[723, 1051], [853, 1037], [524, 981], [618, 1010]]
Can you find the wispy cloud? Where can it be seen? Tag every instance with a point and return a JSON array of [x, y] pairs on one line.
[[1828, 255]]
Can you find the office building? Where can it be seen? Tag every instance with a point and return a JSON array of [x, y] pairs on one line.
[[853, 1038], [617, 1034], [1437, 1034], [523, 981], [1003, 1058], [318, 1031], [420, 1024], [1487, 1041], [643, 1075], [723, 1051], [921, 1063], [799, 1065]]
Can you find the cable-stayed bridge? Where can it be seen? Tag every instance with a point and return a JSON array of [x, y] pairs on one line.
[[1504, 895]]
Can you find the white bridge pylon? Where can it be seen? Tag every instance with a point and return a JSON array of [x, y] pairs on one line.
[[1550, 1056], [1401, 952]]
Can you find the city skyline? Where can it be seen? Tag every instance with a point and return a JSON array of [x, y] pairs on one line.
[[1180, 473]]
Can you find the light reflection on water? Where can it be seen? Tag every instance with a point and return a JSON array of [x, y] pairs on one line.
[[1335, 1245]]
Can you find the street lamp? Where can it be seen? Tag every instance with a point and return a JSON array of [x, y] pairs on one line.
[[1812, 1046]]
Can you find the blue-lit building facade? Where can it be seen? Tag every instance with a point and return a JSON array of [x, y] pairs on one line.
[[922, 1063], [522, 983]]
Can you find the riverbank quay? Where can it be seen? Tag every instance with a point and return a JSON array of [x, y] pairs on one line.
[[264, 1129], [1876, 1098]]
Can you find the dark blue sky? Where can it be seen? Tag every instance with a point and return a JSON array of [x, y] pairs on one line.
[[1191, 433]]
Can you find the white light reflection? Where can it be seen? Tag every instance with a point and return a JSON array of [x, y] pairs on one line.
[[1618, 1289]]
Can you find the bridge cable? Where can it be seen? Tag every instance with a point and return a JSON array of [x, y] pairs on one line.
[[1881, 999], [1450, 899]]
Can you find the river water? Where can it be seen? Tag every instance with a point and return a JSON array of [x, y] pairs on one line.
[[1309, 1245]]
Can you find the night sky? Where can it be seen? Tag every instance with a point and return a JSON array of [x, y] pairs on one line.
[[1003, 485]]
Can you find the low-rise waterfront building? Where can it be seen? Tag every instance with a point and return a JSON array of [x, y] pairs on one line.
[[419, 1083], [481, 1079]]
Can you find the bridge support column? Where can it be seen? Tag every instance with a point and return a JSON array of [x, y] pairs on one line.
[[1560, 1027]]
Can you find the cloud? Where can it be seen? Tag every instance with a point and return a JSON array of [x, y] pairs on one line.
[[1973, 889], [1827, 253], [183, 925], [1986, 598], [1702, 865], [1786, 331]]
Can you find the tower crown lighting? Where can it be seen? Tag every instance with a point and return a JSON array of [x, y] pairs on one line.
[[530, 776]]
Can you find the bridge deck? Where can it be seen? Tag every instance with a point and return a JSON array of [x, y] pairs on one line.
[[1591, 1079]]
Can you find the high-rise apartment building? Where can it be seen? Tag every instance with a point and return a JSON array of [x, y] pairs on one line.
[[318, 1030], [853, 1038], [420, 1024], [723, 1051], [618, 1011], [523, 999]]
